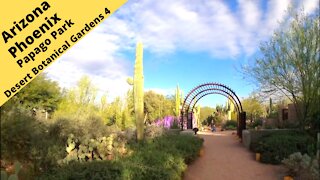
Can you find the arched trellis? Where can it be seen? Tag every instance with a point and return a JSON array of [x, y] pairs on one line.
[[205, 89], [193, 106]]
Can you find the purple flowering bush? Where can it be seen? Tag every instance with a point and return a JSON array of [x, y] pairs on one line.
[[168, 122]]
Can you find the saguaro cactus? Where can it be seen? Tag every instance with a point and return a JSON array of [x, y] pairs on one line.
[[270, 106], [178, 101], [138, 91]]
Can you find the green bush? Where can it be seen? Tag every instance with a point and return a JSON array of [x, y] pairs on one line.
[[278, 146], [30, 142], [163, 157], [230, 127], [230, 124], [175, 124], [86, 170], [257, 122], [39, 145], [302, 166]]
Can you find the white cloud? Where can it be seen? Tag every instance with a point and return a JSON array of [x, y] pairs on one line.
[[213, 26], [310, 5], [167, 26], [96, 56]]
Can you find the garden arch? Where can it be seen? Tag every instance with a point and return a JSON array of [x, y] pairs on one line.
[[203, 90]]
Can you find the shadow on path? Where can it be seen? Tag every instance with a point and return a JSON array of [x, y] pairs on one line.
[[225, 158]]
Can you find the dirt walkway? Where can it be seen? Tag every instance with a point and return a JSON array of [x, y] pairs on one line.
[[225, 158]]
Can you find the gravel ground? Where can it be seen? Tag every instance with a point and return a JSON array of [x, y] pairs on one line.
[[225, 158]]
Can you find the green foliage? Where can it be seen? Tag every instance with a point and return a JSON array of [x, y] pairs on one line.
[[205, 113], [79, 101], [209, 120], [153, 131], [78, 106], [302, 166], [253, 108], [231, 124], [230, 127], [157, 106], [89, 127], [278, 146], [14, 176], [164, 157], [289, 65], [255, 123], [98, 170], [119, 113], [25, 139], [41, 93], [175, 125], [103, 148]]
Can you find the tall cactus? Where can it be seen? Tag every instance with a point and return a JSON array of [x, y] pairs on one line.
[[138, 92], [178, 101], [270, 106]]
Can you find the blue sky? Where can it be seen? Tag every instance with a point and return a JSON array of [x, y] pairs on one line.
[[185, 42]]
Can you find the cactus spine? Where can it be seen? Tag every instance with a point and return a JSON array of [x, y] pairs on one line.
[[178, 101], [138, 92]]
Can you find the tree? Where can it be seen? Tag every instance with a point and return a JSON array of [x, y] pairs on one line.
[[79, 102], [40, 94], [205, 113], [158, 106], [290, 64], [253, 107]]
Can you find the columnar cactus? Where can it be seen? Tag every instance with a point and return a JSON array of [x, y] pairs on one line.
[[178, 102], [138, 91], [270, 106]]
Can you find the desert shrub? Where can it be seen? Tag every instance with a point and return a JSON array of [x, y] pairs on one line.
[[175, 124], [30, 142], [39, 145], [90, 127], [230, 123], [302, 166], [278, 146], [153, 131], [103, 148], [163, 157], [230, 127], [85, 170], [256, 123]]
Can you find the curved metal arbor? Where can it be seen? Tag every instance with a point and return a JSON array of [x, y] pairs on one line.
[[203, 90]]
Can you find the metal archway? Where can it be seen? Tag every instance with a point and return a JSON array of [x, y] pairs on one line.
[[205, 89]]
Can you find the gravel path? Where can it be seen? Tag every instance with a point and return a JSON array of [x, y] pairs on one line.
[[225, 158]]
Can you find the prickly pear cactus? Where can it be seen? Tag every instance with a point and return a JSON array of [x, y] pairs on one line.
[[13, 177], [104, 148], [4, 175], [17, 167]]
